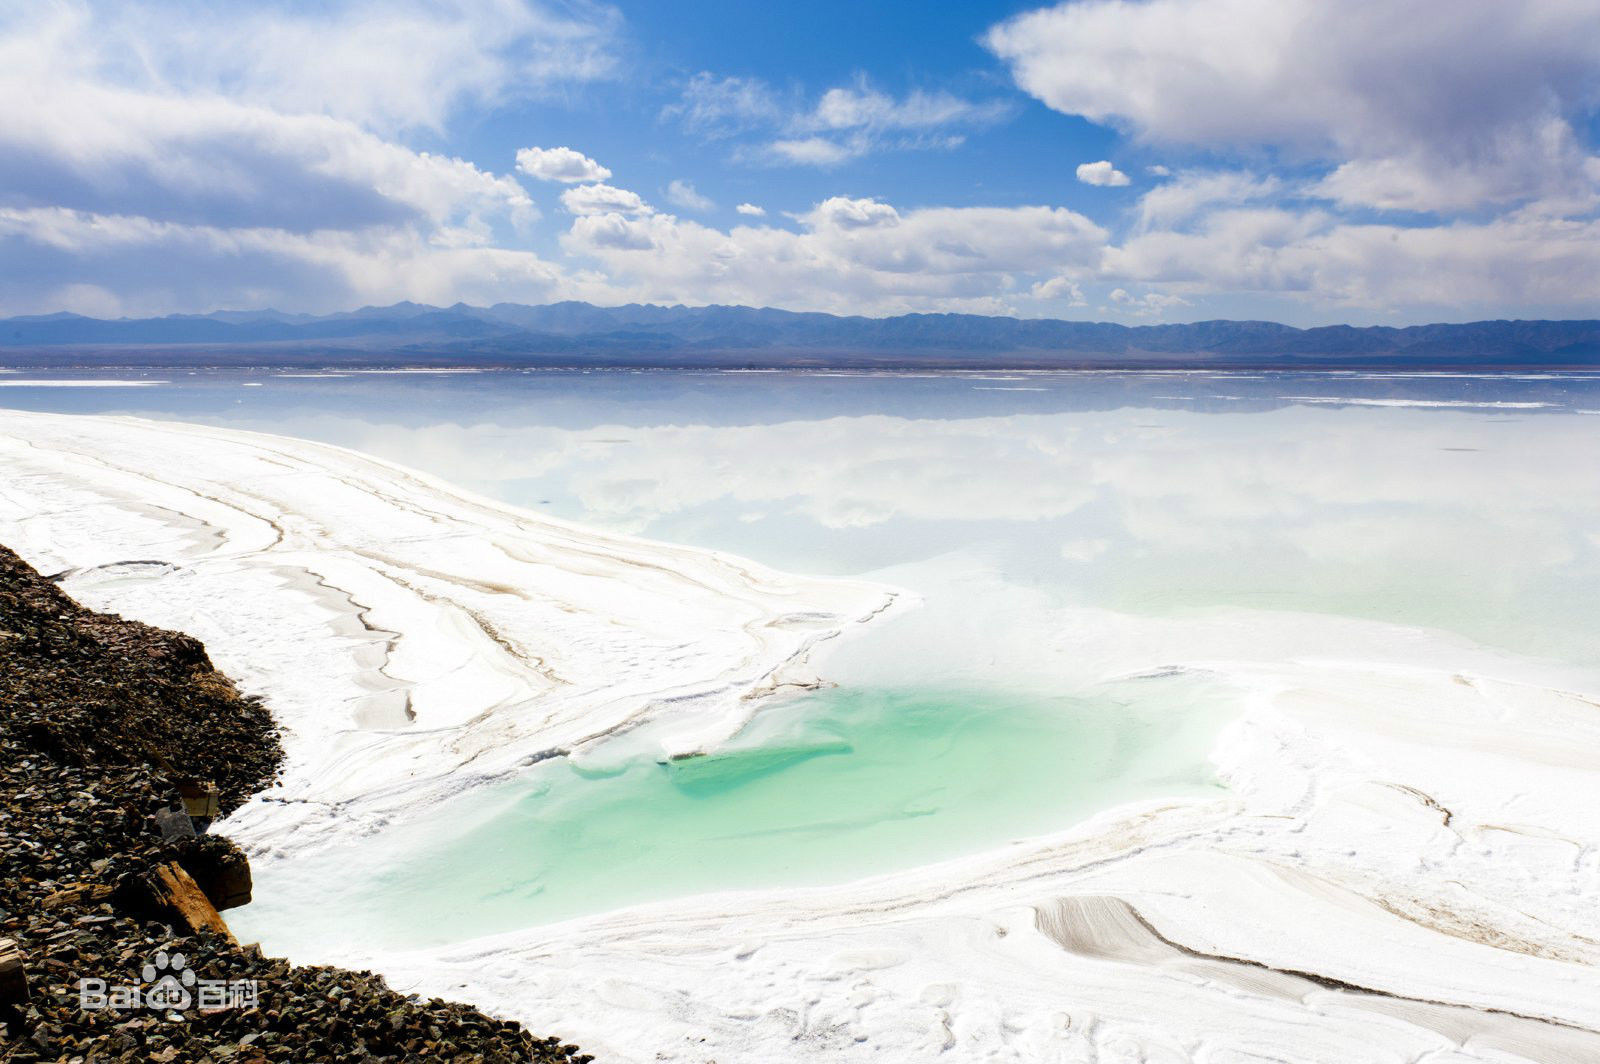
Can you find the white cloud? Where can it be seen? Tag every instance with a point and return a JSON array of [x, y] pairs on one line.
[[682, 194], [143, 177], [719, 107], [1503, 267], [182, 159], [95, 263], [817, 151], [560, 164], [861, 106], [1101, 173], [1458, 109], [842, 212], [611, 232], [71, 139], [389, 66], [846, 122], [1062, 289], [244, 205], [851, 121], [1552, 166], [1426, 105], [215, 161], [850, 255], [1150, 304], [1174, 202], [603, 199]]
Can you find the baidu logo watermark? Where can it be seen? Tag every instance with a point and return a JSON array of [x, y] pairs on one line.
[[169, 986]]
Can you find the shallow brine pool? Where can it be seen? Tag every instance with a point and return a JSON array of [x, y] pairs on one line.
[[819, 789]]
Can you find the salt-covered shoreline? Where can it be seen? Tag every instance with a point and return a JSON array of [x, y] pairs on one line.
[[413, 639], [1408, 871]]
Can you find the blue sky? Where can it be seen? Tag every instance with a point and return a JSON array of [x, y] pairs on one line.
[[1130, 160]]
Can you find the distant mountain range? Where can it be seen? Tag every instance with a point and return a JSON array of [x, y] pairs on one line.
[[649, 335]]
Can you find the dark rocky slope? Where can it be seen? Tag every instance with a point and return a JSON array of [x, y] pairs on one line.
[[100, 719]]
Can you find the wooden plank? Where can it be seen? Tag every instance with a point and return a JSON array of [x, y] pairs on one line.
[[176, 892]]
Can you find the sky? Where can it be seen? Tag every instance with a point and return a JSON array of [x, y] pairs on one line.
[[1305, 161]]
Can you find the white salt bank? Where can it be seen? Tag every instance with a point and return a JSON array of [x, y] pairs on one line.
[[1325, 716]]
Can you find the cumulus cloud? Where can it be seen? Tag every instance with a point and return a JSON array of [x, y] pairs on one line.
[[1062, 289], [1193, 191], [109, 265], [141, 176], [215, 161], [1503, 267], [245, 203], [72, 138], [560, 164], [842, 212], [182, 159], [857, 255], [603, 199], [1101, 173], [1421, 105], [1150, 304], [611, 232], [1476, 113], [1550, 165], [682, 194]]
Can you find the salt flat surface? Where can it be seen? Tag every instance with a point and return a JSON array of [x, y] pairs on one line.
[[1405, 869]]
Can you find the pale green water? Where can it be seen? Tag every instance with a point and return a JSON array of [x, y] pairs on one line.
[[823, 789]]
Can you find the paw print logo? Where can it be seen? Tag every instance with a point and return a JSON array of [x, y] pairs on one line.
[[170, 982]]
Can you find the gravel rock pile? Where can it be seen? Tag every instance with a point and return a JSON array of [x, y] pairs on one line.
[[99, 718], [93, 689]]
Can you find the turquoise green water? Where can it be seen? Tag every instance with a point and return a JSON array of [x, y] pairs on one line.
[[824, 789]]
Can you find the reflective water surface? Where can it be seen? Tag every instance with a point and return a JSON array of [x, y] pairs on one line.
[[1066, 533]]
